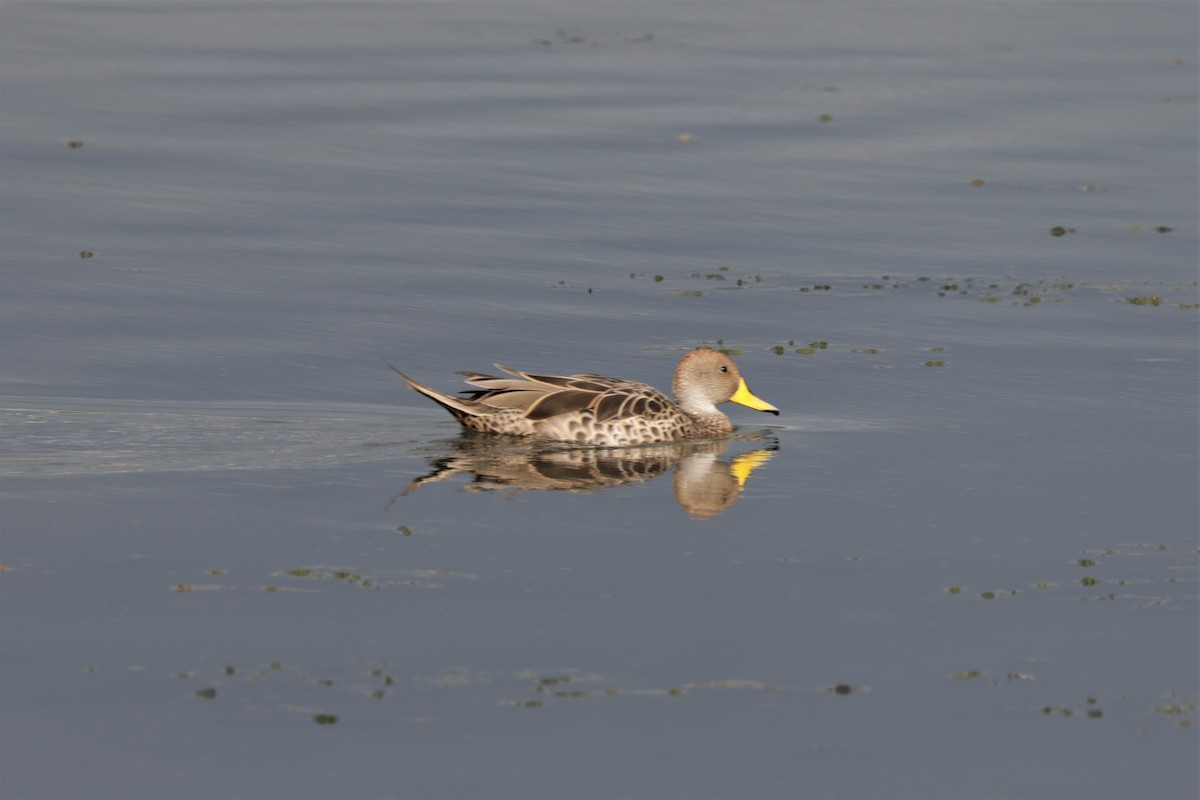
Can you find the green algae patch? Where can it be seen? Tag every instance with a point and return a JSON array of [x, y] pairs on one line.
[[987, 594], [575, 686], [756, 686], [990, 678], [846, 689], [1179, 706], [1043, 293], [273, 687], [721, 347], [803, 350], [1088, 709], [528, 704], [411, 578]]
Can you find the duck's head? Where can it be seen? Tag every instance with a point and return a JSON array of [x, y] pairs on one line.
[[705, 378]]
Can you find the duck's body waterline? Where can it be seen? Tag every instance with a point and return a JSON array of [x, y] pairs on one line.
[[598, 410]]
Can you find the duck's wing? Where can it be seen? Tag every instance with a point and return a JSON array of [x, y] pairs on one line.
[[545, 396]]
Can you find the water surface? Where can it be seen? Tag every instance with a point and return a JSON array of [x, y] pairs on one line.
[[962, 563]]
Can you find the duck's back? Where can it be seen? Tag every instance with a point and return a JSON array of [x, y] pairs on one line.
[[584, 408]]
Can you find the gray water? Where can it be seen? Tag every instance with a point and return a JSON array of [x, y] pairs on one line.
[[242, 559]]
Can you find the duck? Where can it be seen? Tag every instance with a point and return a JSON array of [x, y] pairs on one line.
[[590, 409]]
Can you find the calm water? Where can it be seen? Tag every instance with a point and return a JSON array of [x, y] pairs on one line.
[[243, 560]]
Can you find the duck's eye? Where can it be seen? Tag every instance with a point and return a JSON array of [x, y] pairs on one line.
[[724, 369]]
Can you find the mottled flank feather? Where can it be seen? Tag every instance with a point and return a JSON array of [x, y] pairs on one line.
[[598, 410]]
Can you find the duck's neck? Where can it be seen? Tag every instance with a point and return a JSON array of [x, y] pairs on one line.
[[706, 416]]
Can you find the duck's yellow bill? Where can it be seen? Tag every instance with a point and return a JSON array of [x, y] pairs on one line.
[[744, 397]]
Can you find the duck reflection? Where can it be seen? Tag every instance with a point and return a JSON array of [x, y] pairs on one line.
[[707, 481]]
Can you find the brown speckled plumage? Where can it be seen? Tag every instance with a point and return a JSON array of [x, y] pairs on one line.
[[597, 410]]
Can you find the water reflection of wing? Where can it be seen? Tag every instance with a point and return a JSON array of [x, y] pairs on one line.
[[705, 483]]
